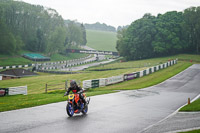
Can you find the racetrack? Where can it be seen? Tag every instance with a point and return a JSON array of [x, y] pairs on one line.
[[125, 111]]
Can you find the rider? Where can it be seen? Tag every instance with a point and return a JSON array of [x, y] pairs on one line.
[[75, 89]]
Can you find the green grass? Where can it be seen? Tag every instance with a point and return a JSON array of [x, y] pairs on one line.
[[194, 106], [193, 131], [101, 40]]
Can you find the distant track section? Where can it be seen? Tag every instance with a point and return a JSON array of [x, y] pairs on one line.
[[91, 52]]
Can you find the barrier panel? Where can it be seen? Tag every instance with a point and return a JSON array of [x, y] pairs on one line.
[[87, 84], [147, 71], [144, 72], [138, 74], [114, 79], [141, 73], [17, 90], [168, 63], [150, 70], [95, 83], [102, 82], [154, 69], [157, 68], [130, 76]]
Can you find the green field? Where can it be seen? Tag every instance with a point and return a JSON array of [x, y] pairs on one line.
[[101, 40], [36, 85]]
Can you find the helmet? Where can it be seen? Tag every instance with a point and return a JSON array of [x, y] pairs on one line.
[[73, 83]]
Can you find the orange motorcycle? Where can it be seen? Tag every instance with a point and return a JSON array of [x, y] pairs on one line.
[[76, 105]]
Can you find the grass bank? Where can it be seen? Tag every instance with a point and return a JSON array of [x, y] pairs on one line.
[[194, 106]]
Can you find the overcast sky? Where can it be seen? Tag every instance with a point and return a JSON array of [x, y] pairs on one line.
[[113, 12]]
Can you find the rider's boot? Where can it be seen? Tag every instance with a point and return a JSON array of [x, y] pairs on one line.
[[85, 103]]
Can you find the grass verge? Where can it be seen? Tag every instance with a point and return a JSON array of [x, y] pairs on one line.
[[193, 131], [21, 101], [194, 106]]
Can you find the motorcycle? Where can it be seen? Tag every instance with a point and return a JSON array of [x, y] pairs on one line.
[[76, 105]]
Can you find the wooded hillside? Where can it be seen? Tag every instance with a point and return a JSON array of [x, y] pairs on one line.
[[165, 34], [35, 28]]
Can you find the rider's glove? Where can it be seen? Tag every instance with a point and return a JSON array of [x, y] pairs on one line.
[[66, 93]]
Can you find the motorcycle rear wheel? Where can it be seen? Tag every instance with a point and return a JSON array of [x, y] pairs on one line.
[[70, 110]]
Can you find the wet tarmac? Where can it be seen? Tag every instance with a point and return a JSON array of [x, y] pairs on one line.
[[125, 111]]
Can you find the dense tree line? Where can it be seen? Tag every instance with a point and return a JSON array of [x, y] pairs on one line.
[[165, 34], [99, 26], [35, 28], [76, 33]]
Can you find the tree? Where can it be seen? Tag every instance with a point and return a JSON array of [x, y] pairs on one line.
[[56, 41], [192, 27]]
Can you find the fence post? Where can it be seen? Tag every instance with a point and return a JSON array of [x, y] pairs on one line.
[[46, 88], [66, 85]]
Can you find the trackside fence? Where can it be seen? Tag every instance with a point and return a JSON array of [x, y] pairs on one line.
[[13, 90], [95, 83]]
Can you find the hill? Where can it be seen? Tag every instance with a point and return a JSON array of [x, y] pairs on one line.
[[99, 26], [101, 40]]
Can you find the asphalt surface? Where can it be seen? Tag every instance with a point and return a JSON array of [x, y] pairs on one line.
[[181, 121], [126, 111]]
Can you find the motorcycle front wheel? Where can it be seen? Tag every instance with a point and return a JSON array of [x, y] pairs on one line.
[[85, 110], [70, 110]]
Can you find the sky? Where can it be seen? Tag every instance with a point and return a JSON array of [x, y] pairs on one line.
[[113, 12]]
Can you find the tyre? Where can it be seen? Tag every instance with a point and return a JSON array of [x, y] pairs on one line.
[[70, 110], [85, 110]]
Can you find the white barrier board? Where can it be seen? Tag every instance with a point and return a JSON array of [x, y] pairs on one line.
[[87, 84], [114, 79], [17, 90]]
